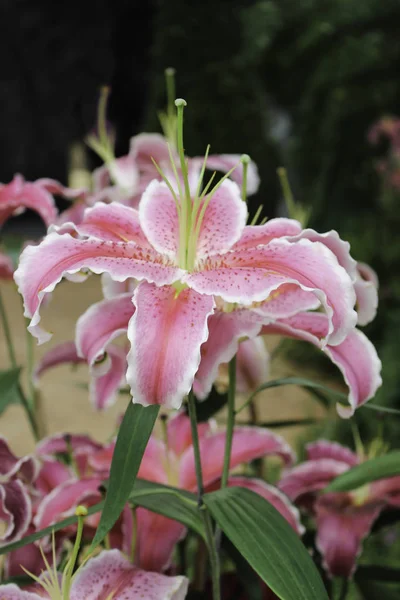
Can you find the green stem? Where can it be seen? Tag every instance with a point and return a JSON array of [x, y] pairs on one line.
[[81, 512], [13, 361], [213, 556], [230, 422], [30, 362], [344, 589], [245, 160]]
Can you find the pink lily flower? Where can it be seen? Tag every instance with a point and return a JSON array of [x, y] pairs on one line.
[[18, 195], [108, 575], [181, 270], [16, 475], [343, 519], [172, 463], [131, 174]]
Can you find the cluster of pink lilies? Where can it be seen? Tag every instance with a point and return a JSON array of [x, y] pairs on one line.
[[191, 284]]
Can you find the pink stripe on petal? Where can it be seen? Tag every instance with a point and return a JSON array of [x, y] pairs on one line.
[[156, 540], [223, 221], [341, 529], [113, 222], [100, 324], [248, 276], [159, 218], [166, 333], [225, 331], [327, 449], [111, 575], [254, 235], [358, 361], [274, 497], [42, 267], [64, 353], [311, 476], [180, 432], [248, 444], [103, 390]]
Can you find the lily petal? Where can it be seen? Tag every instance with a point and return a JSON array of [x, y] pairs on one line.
[[249, 276], [19, 195], [61, 443], [340, 531], [42, 267], [103, 390], [13, 592], [225, 332], [252, 365], [256, 235], [166, 333], [327, 449], [248, 444], [113, 222], [26, 467], [287, 301], [52, 473], [366, 287], [64, 353], [145, 146], [100, 324], [225, 162], [156, 540], [152, 466], [111, 575], [159, 218], [310, 477], [180, 432], [223, 221], [15, 511]]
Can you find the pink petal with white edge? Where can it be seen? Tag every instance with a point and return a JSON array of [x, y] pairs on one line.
[[156, 540], [111, 288], [42, 267], [341, 528], [366, 287], [51, 474], [61, 354], [63, 442], [255, 235], [311, 476], [225, 162], [15, 511], [327, 449], [180, 432], [308, 326], [113, 222], [357, 359], [252, 365], [13, 592], [223, 221], [19, 195], [274, 497], [103, 390], [100, 324], [159, 218], [6, 267], [26, 467], [145, 146], [248, 276], [166, 333], [225, 331], [57, 189], [248, 444], [111, 575], [287, 301]]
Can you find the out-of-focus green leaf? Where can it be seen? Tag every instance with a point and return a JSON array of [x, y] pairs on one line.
[[370, 470]]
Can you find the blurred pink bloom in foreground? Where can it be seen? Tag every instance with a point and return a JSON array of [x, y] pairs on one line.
[[343, 519]]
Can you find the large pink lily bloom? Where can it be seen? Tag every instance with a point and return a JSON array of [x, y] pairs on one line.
[[108, 575], [125, 179], [179, 280], [19, 195], [343, 519], [172, 463], [16, 476]]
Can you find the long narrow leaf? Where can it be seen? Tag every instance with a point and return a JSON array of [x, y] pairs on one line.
[[133, 435], [267, 542], [370, 470]]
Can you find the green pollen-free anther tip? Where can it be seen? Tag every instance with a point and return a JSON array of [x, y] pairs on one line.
[[180, 102]]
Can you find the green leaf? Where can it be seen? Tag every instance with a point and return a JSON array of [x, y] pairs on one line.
[[370, 470], [267, 542], [168, 501], [246, 575], [287, 423], [9, 387], [300, 381], [29, 539], [133, 435]]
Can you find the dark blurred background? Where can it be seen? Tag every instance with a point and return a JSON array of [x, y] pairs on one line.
[[297, 83]]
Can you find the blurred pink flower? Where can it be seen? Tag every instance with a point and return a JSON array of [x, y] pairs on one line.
[[343, 519]]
